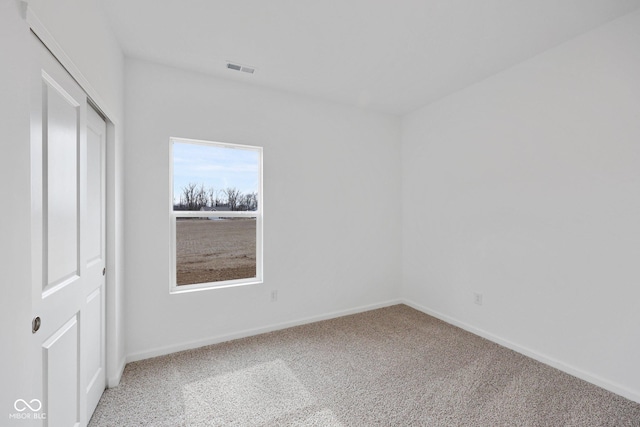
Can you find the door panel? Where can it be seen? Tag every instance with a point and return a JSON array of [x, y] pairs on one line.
[[93, 322], [61, 373], [61, 118], [95, 183], [68, 238], [93, 253]]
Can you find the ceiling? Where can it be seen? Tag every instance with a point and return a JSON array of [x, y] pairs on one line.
[[392, 56]]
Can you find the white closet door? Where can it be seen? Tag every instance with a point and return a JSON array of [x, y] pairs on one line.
[[67, 234]]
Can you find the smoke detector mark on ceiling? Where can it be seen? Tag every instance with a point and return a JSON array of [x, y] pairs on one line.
[[238, 67]]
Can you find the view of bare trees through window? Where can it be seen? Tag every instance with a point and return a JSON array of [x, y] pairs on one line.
[[219, 243], [194, 197]]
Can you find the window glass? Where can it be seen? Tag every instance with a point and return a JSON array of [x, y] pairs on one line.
[[216, 214]]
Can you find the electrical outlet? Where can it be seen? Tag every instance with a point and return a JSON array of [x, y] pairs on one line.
[[477, 298], [274, 296]]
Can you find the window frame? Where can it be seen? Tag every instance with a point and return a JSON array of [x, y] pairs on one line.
[[174, 288]]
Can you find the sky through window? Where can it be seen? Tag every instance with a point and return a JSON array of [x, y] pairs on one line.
[[214, 166]]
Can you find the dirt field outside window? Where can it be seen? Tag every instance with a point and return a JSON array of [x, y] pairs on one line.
[[215, 250]]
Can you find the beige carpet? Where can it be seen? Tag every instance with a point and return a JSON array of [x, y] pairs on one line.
[[389, 367]]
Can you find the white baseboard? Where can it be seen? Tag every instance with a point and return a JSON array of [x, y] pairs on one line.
[[113, 381], [571, 370], [161, 351]]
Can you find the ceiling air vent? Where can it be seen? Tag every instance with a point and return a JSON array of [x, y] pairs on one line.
[[239, 67]]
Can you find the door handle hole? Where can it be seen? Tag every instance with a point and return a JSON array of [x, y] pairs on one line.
[[35, 324]]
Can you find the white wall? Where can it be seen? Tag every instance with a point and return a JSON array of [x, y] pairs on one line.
[[15, 303], [526, 188], [331, 219]]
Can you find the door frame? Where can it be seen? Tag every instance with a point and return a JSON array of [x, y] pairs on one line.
[[114, 346]]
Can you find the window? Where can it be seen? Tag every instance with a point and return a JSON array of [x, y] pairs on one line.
[[216, 214]]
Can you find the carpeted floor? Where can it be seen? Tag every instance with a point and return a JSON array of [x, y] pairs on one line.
[[389, 367]]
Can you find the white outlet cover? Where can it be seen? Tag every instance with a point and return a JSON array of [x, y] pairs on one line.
[[477, 298]]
